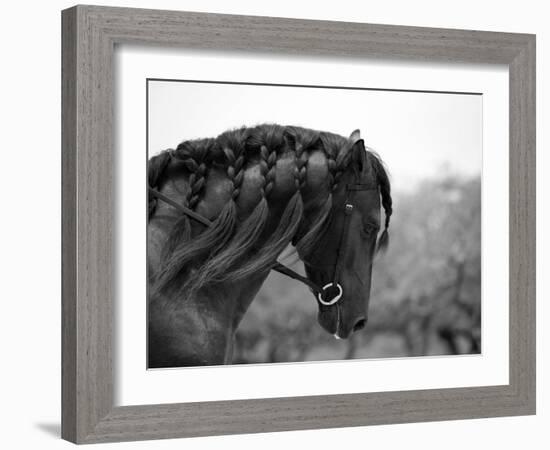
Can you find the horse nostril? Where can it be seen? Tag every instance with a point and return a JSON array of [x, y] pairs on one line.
[[360, 324]]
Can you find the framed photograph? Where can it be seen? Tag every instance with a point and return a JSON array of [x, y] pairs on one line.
[[278, 224]]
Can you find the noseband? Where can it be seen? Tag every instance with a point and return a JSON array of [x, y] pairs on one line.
[[285, 270]]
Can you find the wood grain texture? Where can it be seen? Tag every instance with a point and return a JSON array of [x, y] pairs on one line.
[[523, 224], [89, 36], [68, 225]]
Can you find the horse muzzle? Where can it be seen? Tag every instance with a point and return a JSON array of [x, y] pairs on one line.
[[335, 321]]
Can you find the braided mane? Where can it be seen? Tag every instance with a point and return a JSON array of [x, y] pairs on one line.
[[235, 247]]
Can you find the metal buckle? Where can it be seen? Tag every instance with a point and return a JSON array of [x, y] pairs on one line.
[[335, 299]]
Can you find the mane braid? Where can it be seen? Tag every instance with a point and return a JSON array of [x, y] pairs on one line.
[[337, 156], [234, 247], [310, 230], [193, 158], [218, 267], [157, 165], [178, 260], [271, 138], [385, 193]]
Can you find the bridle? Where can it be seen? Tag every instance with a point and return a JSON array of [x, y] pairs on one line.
[[349, 206], [285, 270]]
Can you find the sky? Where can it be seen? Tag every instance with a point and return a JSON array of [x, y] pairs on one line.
[[418, 135]]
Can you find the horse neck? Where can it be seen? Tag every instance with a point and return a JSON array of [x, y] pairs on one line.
[[201, 329]]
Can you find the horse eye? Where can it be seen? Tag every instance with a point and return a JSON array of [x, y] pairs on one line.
[[369, 229]]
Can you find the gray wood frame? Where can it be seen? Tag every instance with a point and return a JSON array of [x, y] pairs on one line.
[[89, 36]]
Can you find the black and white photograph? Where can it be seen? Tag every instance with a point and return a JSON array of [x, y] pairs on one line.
[[291, 223], [275, 225]]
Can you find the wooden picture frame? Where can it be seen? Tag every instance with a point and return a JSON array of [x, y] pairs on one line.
[[89, 37]]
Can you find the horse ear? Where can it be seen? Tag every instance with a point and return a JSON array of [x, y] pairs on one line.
[[359, 155], [355, 136]]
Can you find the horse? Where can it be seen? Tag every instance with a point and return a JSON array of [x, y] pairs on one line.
[[222, 210]]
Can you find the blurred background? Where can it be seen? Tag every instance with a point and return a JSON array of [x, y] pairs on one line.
[[426, 289]]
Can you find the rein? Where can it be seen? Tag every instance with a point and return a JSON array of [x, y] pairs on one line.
[[281, 268]]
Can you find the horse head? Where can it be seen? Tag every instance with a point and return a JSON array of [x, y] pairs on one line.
[[341, 261]]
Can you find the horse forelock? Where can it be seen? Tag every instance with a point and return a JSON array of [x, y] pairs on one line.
[[234, 249]]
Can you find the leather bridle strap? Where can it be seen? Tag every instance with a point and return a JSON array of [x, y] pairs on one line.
[[184, 209], [343, 246], [285, 270], [278, 267], [342, 249]]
